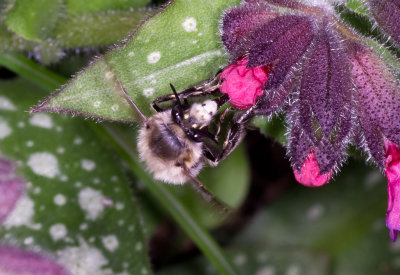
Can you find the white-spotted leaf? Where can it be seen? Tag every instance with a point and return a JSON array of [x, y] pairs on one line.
[[180, 45], [77, 206]]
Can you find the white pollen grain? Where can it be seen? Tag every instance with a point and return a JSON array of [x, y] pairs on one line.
[[139, 246], [44, 164], [21, 124], [41, 120], [59, 200], [110, 242], [153, 57], [60, 150], [130, 54], [58, 231], [148, 92], [88, 165], [97, 104], [5, 129], [6, 104], [190, 24]]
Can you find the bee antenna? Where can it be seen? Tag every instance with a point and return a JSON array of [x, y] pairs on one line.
[[178, 101], [142, 117]]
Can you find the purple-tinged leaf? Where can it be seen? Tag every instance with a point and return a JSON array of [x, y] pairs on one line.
[[286, 3], [328, 155], [275, 39], [14, 261], [239, 23], [284, 51], [274, 100], [10, 188], [387, 14], [326, 82], [378, 99], [299, 147], [305, 119]]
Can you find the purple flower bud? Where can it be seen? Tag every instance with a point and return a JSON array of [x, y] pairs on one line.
[[387, 14], [15, 261]]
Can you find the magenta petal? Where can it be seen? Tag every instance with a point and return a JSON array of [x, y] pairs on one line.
[[309, 175], [10, 188], [392, 163], [242, 84], [15, 261]]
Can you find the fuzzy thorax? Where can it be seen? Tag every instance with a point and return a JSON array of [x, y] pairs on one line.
[[166, 150]]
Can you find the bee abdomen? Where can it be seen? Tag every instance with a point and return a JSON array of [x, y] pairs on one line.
[[165, 144]]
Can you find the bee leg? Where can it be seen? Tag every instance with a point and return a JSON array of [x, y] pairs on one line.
[[207, 196], [235, 135], [202, 90]]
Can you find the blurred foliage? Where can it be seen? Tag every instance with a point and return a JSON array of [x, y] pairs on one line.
[[336, 229]]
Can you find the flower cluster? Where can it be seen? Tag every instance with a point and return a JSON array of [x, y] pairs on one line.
[[334, 88]]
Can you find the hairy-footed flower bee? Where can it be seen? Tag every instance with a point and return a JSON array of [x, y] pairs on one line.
[[170, 142], [175, 143]]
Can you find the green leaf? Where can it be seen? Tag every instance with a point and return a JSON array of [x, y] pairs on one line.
[[272, 128], [180, 46], [77, 203], [28, 28], [77, 6], [33, 19], [96, 29]]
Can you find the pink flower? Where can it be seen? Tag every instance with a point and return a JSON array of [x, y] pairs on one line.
[[243, 85], [10, 188], [392, 165], [309, 174], [17, 261]]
